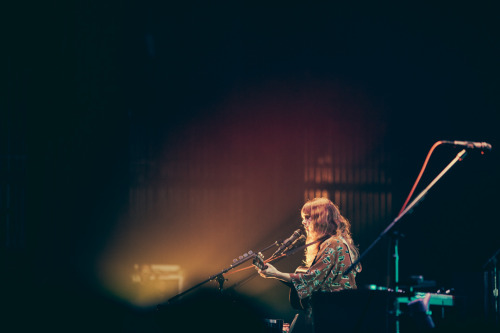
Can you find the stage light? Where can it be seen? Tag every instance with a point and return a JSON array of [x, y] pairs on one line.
[[155, 283]]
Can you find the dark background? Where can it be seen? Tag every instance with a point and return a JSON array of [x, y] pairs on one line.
[[92, 88]]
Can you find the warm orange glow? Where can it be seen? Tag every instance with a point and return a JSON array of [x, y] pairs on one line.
[[235, 181]]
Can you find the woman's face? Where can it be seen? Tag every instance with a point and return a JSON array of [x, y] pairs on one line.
[[307, 223]]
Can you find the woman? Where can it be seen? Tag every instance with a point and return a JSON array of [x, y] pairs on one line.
[[327, 259]]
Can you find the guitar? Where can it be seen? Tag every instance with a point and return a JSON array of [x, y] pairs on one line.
[[293, 297]]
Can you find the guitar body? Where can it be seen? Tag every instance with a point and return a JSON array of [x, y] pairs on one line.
[[295, 301]]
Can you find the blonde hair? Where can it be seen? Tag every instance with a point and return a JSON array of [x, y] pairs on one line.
[[326, 220]]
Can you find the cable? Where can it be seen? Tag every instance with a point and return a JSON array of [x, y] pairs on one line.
[[420, 175]]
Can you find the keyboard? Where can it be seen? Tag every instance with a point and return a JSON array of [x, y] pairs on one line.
[[435, 299]]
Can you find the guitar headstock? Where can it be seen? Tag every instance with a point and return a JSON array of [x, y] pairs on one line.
[[258, 261]]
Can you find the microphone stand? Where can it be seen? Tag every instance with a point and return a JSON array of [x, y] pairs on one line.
[[397, 313], [276, 258], [219, 276]]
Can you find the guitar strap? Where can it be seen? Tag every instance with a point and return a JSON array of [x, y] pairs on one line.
[[345, 243]]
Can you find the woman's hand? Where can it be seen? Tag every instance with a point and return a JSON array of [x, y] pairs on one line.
[[272, 272], [269, 272]]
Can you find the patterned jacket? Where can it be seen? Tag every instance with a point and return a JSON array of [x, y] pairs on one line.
[[326, 271]]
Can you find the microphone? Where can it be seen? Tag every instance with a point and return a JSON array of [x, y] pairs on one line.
[[291, 246], [470, 144], [288, 241]]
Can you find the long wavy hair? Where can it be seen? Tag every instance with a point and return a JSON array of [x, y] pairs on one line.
[[326, 220]]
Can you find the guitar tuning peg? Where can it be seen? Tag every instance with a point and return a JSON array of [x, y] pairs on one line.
[[250, 252], [245, 255]]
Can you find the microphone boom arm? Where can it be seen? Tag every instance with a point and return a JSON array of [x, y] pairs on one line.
[[459, 156]]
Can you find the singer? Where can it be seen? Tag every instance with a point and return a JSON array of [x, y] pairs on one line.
[[325, 260]]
